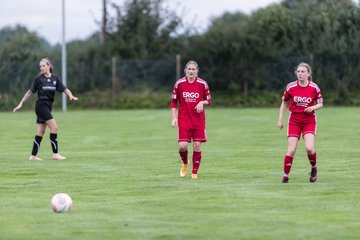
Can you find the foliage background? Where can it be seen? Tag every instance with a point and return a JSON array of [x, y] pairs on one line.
[[246, 59]]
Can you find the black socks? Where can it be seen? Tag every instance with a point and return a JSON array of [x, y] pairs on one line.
[[54, 142], [36, 145]]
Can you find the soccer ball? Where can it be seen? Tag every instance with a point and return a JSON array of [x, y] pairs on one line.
[[61, 203]]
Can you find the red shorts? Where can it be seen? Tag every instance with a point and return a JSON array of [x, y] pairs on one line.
[[301, 124], [196, 135]]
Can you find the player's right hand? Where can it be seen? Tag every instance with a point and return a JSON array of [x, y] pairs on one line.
[[173, 122]]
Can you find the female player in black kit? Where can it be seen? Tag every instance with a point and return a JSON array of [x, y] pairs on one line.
[[45, 84]]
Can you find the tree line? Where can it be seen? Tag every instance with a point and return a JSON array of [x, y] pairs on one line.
[[246, 59]]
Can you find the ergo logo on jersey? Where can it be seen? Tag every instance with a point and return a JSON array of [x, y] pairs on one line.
[[191, 95], [302, 99]]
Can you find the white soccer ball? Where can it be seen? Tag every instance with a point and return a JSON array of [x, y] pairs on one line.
[[61, 203]]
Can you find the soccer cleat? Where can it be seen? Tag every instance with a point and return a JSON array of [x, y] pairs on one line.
[[194, 176], [313, 174], [285, 179], [34, 158], [183, 169], [58, 157]]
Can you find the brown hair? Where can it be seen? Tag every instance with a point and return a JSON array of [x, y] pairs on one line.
[[48, 62], [308, 68], [192, 62]]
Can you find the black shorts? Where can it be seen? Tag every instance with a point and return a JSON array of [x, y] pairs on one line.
[[43, 111]]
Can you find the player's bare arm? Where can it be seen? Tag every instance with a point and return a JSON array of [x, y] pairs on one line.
[[70, 95], [173, 117], [200, 106], [313, 108], [24, 99], [281, 114]]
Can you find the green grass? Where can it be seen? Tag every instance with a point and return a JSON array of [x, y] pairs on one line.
[[122, 173]]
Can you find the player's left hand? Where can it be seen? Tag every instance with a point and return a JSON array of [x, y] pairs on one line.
[[73, 98], [309, 109], [199, 107], [17, 107]]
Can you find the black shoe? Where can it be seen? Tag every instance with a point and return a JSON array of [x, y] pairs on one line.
[[313, 175], [285, 180]]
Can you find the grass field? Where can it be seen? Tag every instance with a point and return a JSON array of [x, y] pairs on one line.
[[122, 173]]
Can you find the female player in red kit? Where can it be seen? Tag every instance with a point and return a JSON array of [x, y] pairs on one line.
[[303, 97], [190, 94]]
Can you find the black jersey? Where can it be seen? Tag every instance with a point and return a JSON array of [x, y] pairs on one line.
[[46, 87]]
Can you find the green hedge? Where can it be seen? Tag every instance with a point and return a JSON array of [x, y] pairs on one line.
[[148, 99]]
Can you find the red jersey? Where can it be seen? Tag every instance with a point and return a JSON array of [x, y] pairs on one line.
[[301, 97], [188, 95]]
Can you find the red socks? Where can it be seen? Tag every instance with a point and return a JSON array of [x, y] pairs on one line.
[[196, 158], [184, 156], [196, 162], [287, 164], [289, 160], [312, 159]]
